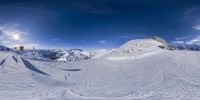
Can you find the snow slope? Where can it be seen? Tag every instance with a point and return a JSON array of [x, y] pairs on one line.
[[163, 75]]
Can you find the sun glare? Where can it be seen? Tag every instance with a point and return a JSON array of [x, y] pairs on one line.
[[16, 37]]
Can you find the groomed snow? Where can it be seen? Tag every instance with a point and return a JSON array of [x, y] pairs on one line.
[[163, 75]]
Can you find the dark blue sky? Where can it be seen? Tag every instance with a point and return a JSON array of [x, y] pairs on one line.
[[99, 23]]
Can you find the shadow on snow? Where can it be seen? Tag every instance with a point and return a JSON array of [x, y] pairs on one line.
[[2, 62], [15, 59], [31, 67], [71, 69]]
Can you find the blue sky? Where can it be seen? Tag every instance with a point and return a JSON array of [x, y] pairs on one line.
[[97, 23]]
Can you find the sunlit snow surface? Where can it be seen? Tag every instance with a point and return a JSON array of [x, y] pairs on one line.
[[158, 75]]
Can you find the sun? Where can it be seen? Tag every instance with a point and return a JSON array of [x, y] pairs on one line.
[[16, 36]]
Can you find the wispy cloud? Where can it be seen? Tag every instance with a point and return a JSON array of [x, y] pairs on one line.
[[183, 38], [5, 41], [194, 41], [191, 14], [102, 42], [83, 41], [98, 9], [8, 32], [196, 27], [178, 42], [39, 10], [91, 8], [55, 39], [29, 46], [188, 41], [125, 36], [130, 36], [191, 10]]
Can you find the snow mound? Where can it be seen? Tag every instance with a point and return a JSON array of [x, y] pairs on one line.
[[146, 44], [135, 49], [98, 54]]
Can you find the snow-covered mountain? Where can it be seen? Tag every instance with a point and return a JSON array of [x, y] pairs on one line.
[[66, 55], [74, 55], [127, 51], [101, 53], [57, 55], [184, 46], [4, 48]]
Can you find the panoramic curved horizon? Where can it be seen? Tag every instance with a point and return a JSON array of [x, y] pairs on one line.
[[92, 24], [100, 49]]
